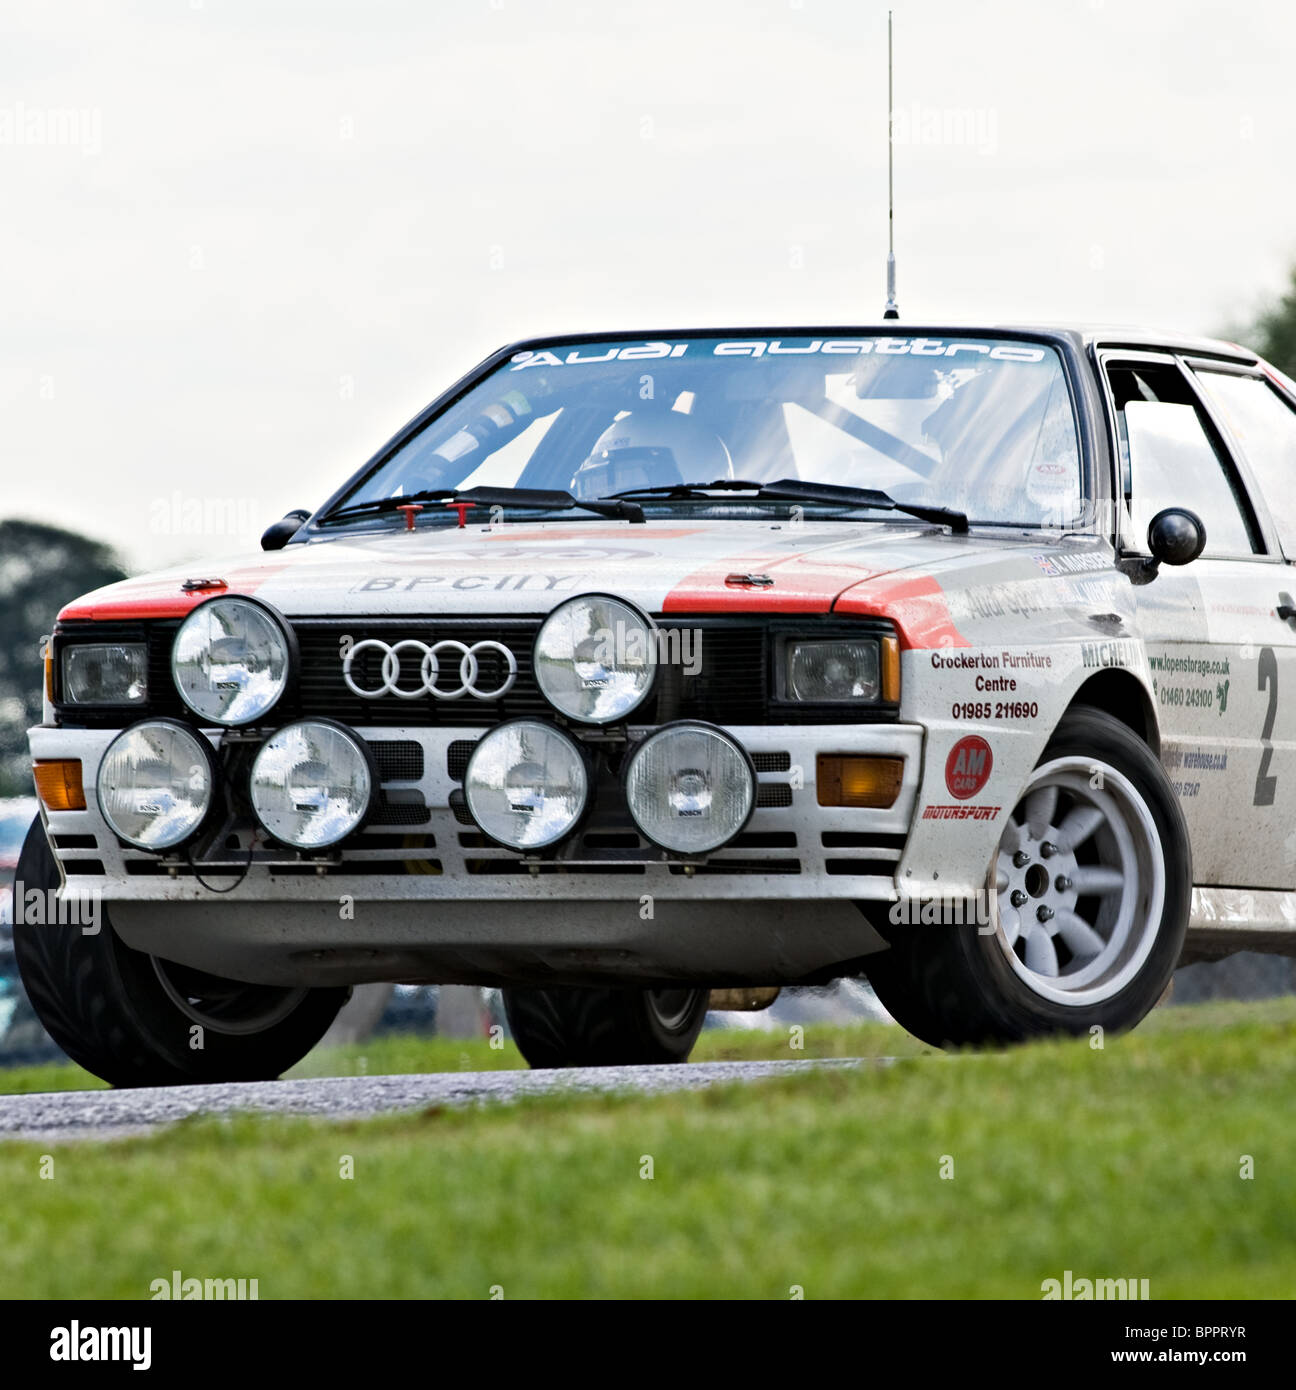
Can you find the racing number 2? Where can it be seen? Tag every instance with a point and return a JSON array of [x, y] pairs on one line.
[[1266, 783]]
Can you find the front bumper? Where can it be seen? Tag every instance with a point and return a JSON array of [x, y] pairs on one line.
[[429, 899]]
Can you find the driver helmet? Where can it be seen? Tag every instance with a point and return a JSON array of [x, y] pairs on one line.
[[651, 448]]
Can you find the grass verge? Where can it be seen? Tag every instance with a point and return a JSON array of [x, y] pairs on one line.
[[1123, 1162]]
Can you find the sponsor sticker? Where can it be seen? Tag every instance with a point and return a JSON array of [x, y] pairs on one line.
[[967, 769], [1060, 562], [407, 584], [1117, 652], [1053, 485], [762, 347]]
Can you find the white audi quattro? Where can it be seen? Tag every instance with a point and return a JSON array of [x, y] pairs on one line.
[[637, 667]]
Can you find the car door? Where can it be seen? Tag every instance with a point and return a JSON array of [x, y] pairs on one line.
[[1223, 662]]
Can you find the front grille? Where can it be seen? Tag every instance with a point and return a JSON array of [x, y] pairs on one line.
[[94, 867], [457, 756], [399, 760], [731, 685], [400, 813], [323, 691]]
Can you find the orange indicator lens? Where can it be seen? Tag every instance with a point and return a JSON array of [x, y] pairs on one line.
[[58, 784], [852, 780]]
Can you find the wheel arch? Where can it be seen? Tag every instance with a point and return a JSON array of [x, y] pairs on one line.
[[1123, 696]]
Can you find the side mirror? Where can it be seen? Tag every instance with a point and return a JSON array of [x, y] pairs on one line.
[[277, 536], [1176, 536]]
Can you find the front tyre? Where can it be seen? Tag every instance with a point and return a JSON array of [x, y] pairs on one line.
[[566, 1027], [1090, 892], [136, 1020]]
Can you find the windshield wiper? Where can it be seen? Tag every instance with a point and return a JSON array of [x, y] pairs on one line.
[[532, 498], [794, 490], [797, 490], [687, 490]]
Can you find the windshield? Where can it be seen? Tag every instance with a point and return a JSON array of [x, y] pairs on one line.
[[981, 424]]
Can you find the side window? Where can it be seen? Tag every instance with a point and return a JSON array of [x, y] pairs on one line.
[[1264, 426], [1170, 458]]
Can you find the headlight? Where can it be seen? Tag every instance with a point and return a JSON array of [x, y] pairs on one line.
[[595, 658], [105, 673], [155, 783], [832, 671], [231, 660], [527, 784], [313, 783], [690, 788]]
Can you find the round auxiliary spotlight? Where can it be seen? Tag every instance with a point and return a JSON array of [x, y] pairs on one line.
[[690, 787], [313, 783], [527, 785], [232, 659], [595, 658], [156, 782]]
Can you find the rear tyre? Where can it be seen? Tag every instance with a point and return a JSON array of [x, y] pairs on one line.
[[1089, 896], [566, 1027], [136, 1020]]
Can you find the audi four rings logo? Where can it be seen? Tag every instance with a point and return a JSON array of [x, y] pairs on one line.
[[430, 669]]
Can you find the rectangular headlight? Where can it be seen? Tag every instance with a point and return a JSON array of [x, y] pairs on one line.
[[105, 673], [833, 671]]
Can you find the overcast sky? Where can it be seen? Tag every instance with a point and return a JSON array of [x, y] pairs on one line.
[[243, 241]]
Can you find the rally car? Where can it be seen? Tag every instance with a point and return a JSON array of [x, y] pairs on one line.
[[639, 666]]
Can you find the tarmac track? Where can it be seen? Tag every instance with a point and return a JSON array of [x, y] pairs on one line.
[[69, 1115]]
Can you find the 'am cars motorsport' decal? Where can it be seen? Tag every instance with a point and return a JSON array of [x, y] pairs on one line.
[[775, 347], [967, 769], [938, 812]]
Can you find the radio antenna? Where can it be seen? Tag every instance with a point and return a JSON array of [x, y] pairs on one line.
[[892, 310]]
